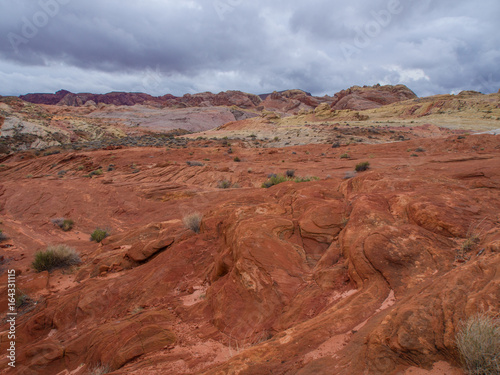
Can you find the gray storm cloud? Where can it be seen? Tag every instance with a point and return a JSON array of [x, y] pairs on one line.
[[184, 46]]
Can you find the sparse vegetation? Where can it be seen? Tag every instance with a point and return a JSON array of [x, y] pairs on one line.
[[3, 236], [237, 159], [65, 224], [98, 235], [193, 221], [419, 149], [56, 256], [478, 343], [344, 156], [290, 173], [361, 167], [224, 184], [22, 299], [472, 239], [306, 179], [195, 163], [97, 172], [274, 179]]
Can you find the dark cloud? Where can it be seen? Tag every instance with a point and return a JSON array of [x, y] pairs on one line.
[[196, 45]]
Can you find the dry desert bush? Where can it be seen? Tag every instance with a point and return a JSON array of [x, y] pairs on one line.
[[478, 342]]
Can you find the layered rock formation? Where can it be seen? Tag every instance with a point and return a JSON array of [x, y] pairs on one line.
[[361, 98], [228, 98]]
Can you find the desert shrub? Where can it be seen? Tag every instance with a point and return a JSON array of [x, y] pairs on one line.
[[478, 342], [3, 236], [65, 224], [237, 159], [193, 221], [56, 256], [419, 149], [336, 145], [58, 221], [472, 239], [290, 173], [97, 172], [360, 167], [306, 179], [22, 299], [224, 184], [274, 180], [98, 235], [344, 156], [278, 179], [195, 163], [470, 243]]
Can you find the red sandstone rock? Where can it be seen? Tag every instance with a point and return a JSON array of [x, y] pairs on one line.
[[360, 98], [336, 276]]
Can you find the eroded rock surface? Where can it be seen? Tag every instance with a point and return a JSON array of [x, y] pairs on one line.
[[332, 276]]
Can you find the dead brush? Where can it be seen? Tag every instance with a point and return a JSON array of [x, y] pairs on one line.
[[478, 342], [473, 238]]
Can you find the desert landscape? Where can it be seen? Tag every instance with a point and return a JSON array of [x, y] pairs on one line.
[[233, 233]]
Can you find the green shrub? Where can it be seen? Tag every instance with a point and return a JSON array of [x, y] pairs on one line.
[[97, 172], [57, 256], [237, 159], [478, 343], [67, 225], [290, 173], [98, 235], [274, 180], [360, 167], [344, 156], [193, 221]]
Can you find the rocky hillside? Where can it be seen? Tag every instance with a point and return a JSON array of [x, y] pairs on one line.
[[291, 117], [361, 98], [289, 101]]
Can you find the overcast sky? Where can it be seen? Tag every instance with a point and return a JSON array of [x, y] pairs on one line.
[[256, 46]]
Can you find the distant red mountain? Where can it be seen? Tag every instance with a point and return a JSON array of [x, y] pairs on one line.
[[288, 101]]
